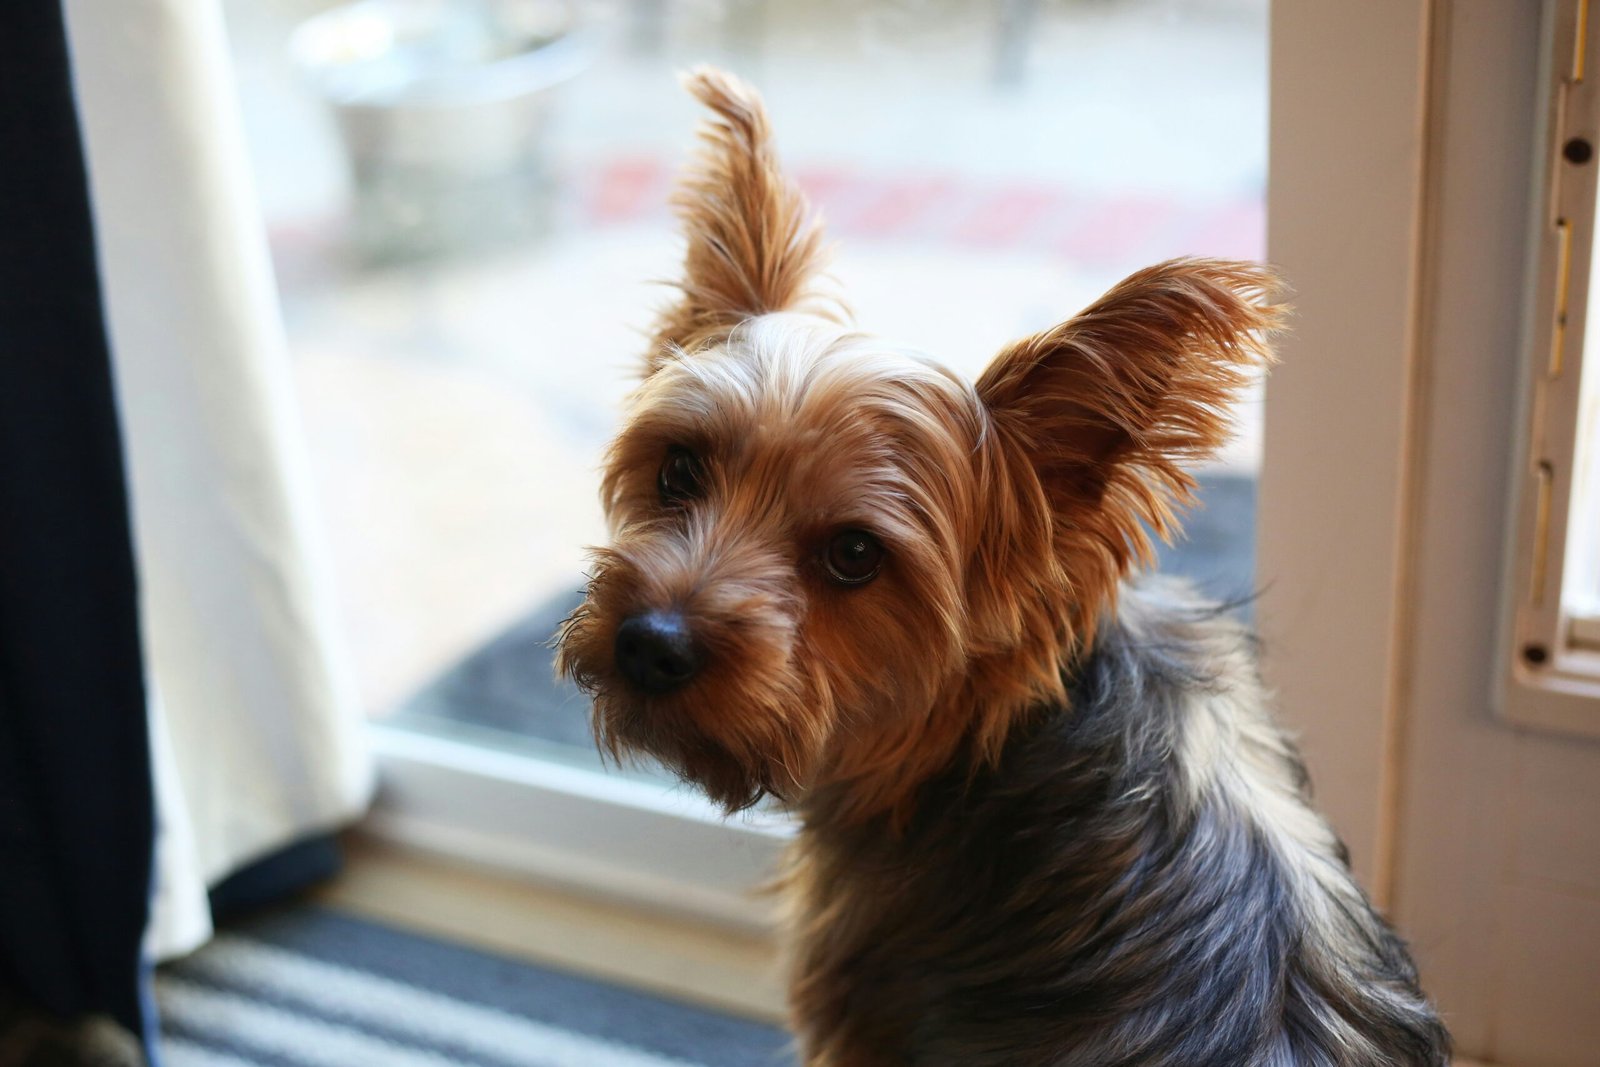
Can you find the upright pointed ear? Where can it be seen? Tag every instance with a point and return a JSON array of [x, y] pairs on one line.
[[1096, 419], [753, 245]]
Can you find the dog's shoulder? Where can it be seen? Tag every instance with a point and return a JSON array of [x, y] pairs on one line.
[[1140, 879]]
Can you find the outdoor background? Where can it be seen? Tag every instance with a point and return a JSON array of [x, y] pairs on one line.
[[466, 307]]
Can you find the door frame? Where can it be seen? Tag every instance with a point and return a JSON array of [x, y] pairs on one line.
[[1345, 218]]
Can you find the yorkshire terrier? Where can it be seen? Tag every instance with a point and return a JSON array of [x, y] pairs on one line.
[[1045, 815]]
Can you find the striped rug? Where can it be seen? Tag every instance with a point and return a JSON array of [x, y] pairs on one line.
[[313, 988]]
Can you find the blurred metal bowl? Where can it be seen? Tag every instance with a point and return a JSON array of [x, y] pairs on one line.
[[444, 107]]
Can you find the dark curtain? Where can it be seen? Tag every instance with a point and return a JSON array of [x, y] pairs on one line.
[[75, 786]]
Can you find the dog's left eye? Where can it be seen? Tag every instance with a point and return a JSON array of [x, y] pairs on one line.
[[679, 480], [853, 557]]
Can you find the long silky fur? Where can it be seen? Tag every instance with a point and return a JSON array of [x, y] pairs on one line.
[[1137, 881], [1045, 815]]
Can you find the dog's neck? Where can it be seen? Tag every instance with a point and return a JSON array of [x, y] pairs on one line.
[[876, 776]]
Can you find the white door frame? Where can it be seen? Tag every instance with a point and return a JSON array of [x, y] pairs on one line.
[[1344, 223]]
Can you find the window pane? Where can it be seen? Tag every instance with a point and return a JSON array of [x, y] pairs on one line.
[[466, 284]]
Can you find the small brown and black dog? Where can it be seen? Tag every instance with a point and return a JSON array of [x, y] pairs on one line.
[[1045, 815]]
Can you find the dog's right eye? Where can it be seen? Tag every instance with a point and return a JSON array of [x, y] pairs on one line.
[[680, 479], [853, 557]]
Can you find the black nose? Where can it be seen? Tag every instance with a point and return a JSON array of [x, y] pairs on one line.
[[654, 651]]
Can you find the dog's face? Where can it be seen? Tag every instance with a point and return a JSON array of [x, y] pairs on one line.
[[792, 511], [834, 561]]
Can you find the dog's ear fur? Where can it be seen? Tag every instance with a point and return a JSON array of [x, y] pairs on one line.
[[1095, 419], [753, 244]]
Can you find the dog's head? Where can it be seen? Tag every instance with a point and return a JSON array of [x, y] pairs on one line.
[[834, 563]]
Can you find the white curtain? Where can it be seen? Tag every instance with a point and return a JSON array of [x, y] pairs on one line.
[[255, 728]]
